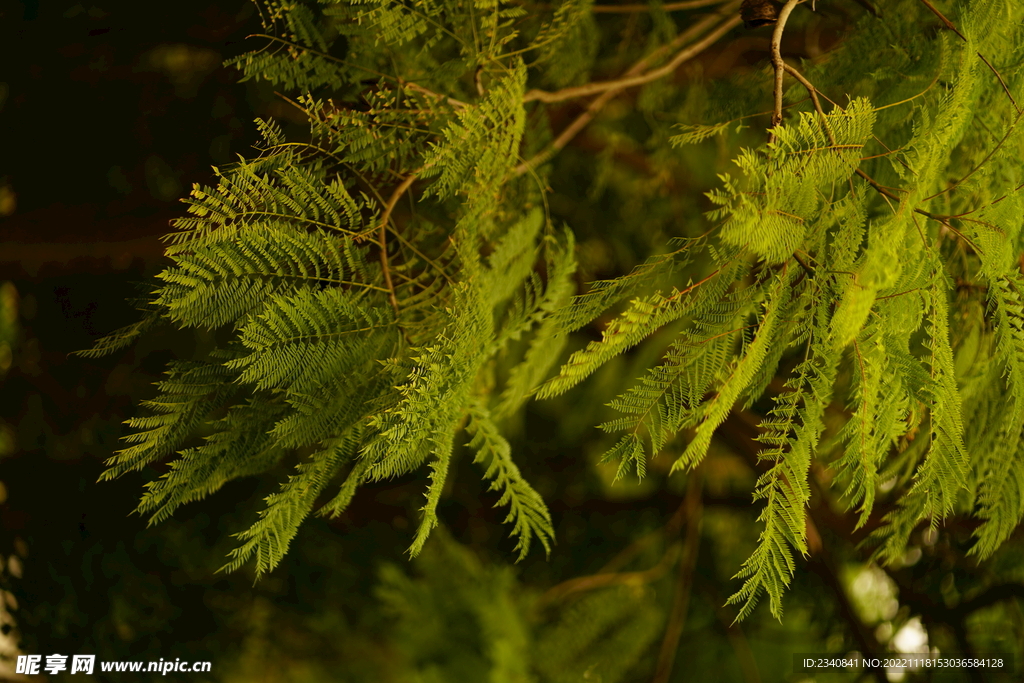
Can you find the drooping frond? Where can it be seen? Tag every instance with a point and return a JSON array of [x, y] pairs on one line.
[[642, 318], [546, 342], [434, 392], [668, 398], [122, 338], [944, 470], [603, 294], [268, 539], [527, 511], [190, 393], [792, 431], [441, 442], [241, 446], [738, 377], [880, 407]]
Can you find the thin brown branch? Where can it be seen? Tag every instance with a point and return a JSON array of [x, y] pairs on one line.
[[944, 220], [1006, 89], [1009, 131], [667, 7], [882, 189], [803, 264], [777, 63], [458, 104], [942, 18], [635, 8], [813, 92], [629, 80], [951, 27], [594, 581], [636, 76], [382, 232], [684, 584]]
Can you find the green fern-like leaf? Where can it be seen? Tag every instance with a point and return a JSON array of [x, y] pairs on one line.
[[527, 511]]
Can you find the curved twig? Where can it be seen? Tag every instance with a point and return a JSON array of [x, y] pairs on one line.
[[635, 76], [777, 63], [613, 88], [595, 581], [681, 600], [385, 217]]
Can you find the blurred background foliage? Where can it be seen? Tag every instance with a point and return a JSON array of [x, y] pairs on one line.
[[107, 114]]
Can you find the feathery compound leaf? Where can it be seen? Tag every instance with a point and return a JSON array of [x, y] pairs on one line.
[[881, 406], [240, 447], [944, 470], [792, 430], [1008, 311], [697, 132], [268, 539], [513, 256], [717, 408], [301, 341], [667, 398], [276, 192], [442, 444], [1001, 470], [1002, 489], [300, 62], [546, 343], [567, 45], [768, 211], [650, 275], [480, 150], [222, 282], [121, 338], [527, 510], [435, 392], [641, 319], [191, 392]]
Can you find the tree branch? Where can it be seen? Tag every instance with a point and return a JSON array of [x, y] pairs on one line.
[[949, 24], [385, 217], [635, 76], [613, 88], [777, 63], [684, 583], [942, 18], [634, 8], [668, 7], [813, 92], [594, 581]]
